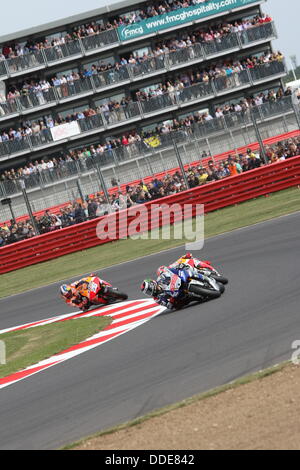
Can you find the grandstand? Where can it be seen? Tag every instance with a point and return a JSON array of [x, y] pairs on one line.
[[97, 94]]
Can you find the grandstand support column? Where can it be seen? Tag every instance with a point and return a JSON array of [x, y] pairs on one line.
[[93, 84], [103, 119], [141, 109], [19, 106], [259, 139], [80, 190], [234, 146], [6, 68], [296, 111], [81, 46], [167, 61], [130, 73], [115, 158], [44, 57], [162, 162], [239, 39], [23, 188], [286, 129], [141, 176], [102, 182], [177, 153], [203, 53], [208, 146]]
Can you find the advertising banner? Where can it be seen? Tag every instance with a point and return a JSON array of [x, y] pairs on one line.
[[178, 17], [65, 131]]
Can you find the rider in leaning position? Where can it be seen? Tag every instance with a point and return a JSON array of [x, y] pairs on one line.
[[77, 294], [166, 290]]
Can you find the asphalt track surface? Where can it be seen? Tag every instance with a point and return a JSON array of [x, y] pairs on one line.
[[172, 357]]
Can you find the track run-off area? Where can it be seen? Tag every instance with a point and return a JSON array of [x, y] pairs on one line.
[[170, 355]]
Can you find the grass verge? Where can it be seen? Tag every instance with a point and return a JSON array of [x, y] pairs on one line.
[[224, 220], [164, 411], [25, 348]]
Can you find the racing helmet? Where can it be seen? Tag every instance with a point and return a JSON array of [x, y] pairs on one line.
[[188, 256], [66, 291], [161, 270], [150, 287]]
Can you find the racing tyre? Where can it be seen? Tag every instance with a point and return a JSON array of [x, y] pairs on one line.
[[116, 295], [222, 287], [221, 279], [201, 291]]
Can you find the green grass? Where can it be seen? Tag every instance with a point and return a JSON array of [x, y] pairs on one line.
[[25, 348], [76, 264]]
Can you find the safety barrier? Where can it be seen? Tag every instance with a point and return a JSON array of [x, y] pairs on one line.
[[204, 162], [214, 196]]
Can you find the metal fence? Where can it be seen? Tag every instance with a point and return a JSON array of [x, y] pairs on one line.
[[267, 70], [111, 116], [74, 87], [91, 123], [224, 129], [24, 62], [37, 98], [3, 68], [148, 66], [101, 40], [107, 39], [40, 98], [186, 55], [10, 147], [63, 51], [196, 92], [258, 33], [8, 107], [235, 80], [108, 117], [111, 77], [223, 44]]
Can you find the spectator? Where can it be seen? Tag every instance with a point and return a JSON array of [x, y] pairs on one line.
[[79, 214]]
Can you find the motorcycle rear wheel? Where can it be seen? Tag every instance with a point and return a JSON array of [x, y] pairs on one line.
[[220, 279], [116, 295], [203, 292]]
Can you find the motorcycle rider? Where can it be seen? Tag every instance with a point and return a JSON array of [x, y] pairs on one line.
[[77, 293], [163, 289], [189, 259]]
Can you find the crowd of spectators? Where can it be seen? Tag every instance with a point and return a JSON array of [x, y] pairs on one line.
[[40, 88], [199, 75], [151, 10], [114, 111], [96, 206], [128, 142], [96, 27]]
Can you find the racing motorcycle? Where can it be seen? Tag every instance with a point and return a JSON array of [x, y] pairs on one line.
[[100, 292], [206, 268], [185, 289]]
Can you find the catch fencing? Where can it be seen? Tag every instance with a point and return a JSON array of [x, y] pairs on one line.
[[213, 196]]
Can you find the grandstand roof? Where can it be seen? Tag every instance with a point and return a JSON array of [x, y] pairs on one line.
[[103, 8]]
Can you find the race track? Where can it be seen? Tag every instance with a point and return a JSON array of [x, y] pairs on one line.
[[172, 357]]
